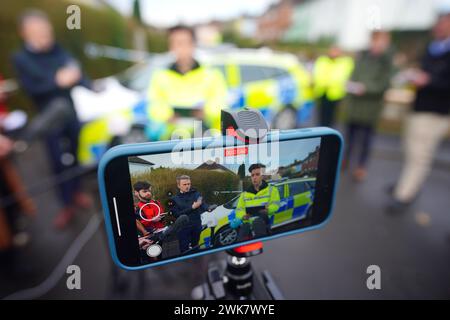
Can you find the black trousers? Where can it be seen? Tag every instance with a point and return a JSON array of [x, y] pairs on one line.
[[327, 111], [62, 146], [259, 227], [189, 235], [360, 136]]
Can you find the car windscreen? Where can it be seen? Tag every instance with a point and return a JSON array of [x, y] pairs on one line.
[[138, 77], [250, 73], [232, 203]]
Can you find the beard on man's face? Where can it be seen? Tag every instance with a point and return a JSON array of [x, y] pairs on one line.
[[147, 196]]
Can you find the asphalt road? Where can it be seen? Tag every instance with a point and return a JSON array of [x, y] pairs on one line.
[[412, 249]]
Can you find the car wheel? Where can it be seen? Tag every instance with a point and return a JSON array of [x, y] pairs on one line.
[[285, 119], [225, 236]]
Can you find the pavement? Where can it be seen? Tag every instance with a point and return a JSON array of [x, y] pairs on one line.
[[412, 249]]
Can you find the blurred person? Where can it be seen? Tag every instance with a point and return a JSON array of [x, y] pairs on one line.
[[3, 95], [5, 146], [11, 188], [330, 74], [13, 199], [189, 202], [6, 234], [429, 121], [10, 174], [370, 79], [47, 73], [258, 202], [186, 89]]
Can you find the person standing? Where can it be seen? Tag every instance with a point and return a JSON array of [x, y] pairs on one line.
[[331, 73], [369, 81], [429, 122], [47, 73], [186, 90]]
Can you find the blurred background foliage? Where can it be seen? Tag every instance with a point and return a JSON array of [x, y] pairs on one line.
[[101, 25]]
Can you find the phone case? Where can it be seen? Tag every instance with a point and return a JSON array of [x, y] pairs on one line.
[[165, 146]]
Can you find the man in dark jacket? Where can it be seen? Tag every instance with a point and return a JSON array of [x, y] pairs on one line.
[[47, 73], [189, 202], [429, 122]]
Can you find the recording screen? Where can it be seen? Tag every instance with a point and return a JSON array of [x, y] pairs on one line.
[[195, 200]]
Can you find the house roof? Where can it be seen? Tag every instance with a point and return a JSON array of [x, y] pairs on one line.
[[139, 161], [212, 165]]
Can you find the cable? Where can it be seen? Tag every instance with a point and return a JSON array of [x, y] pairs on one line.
[[60, 270]]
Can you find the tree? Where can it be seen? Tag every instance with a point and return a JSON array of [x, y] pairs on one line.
[[137, 11]]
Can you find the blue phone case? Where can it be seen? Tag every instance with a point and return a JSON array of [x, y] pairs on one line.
[[167, 146]]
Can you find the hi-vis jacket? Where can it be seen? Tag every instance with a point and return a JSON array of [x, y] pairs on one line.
[[267, 196], [200, 88], [331, 75]]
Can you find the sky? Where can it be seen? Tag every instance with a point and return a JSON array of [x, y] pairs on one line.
[[289, 151], [170, 12]]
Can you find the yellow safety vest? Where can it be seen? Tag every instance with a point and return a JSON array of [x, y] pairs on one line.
[[331, 76], [269, 197], [199, 88]]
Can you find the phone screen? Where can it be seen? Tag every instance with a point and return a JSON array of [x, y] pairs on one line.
[[189, 201]]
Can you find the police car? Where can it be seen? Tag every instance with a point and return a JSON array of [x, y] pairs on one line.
[[275, 83], [296, 199]]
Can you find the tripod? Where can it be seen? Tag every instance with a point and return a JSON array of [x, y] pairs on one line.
[[234, 278]]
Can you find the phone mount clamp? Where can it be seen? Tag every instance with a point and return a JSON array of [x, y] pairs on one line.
[[234, 278]]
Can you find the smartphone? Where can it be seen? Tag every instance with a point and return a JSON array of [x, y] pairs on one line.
[[280, 186]]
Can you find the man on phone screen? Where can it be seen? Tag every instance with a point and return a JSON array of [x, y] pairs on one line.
[[257, 204], [150, 212], [190, 202]]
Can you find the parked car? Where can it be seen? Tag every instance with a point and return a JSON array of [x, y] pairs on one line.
[[296, 199], [275, 83]]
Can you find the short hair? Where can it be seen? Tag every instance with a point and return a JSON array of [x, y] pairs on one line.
[[183, 177], [141, 185], [31, 13], [181, 27], [255, 166]]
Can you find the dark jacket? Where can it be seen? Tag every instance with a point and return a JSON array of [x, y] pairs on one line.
[[375, 73], [252, 189], [174, 67], [435, 97], [36, 72], [183, 205]]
